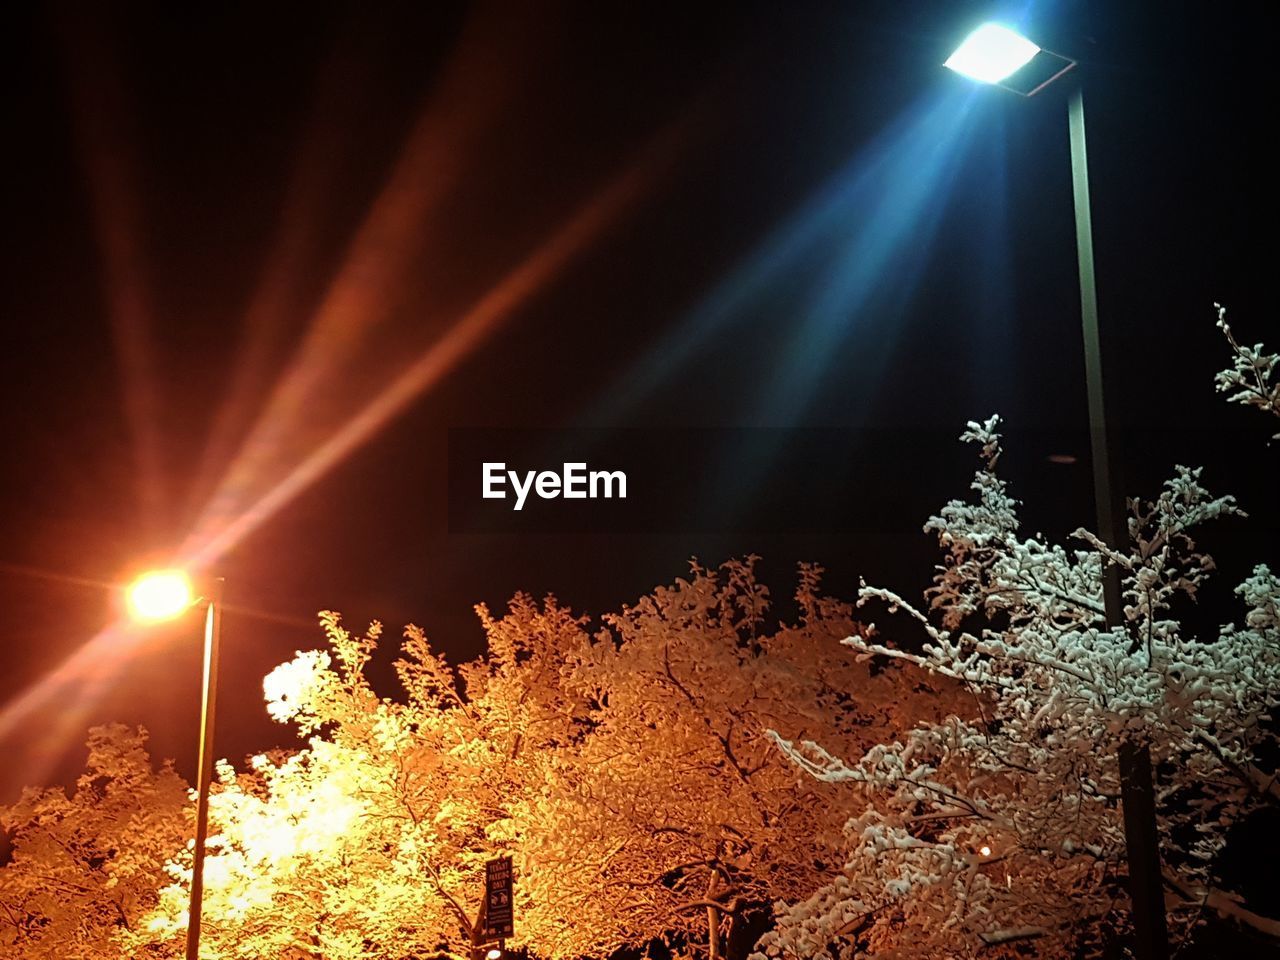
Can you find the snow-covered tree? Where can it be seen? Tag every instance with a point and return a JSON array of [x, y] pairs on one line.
[[87, 864], [1005, 831], [628, 774], [958, 798], [676, 818], [1249, 379], [370, 842]]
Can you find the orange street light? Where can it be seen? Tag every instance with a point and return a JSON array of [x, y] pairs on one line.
[[159, 595], [163, 595]]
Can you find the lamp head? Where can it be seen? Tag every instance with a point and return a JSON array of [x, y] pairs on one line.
[[160, 595], [1001, 56], [992, 53]]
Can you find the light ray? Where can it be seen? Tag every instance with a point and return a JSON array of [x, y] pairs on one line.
[[78, 682], [260, 482], [63, 699], [847, 214], [99, 117], [361, 297], [281, 289], [891, 214], [53, 576], [53, 714], [520, 285], [853, 307]]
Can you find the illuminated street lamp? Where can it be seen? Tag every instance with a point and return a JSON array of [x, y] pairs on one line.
[[163, 595], [999, 55], [992, 53], [160, 595]]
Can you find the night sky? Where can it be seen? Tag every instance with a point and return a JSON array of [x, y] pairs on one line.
[[237, 233]]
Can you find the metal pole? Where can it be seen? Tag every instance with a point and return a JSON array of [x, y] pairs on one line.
[[204, 774], [1142, 841]]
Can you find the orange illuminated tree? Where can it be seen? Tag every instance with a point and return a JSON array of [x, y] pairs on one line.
[[677, 818], [628, 773], [371, 840], [88, 863]]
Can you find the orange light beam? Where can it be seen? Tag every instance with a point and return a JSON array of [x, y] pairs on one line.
[[78, 679], [280, 289], [464, 103], [75, 685], [98, 110], [518, 286], [38, 573]]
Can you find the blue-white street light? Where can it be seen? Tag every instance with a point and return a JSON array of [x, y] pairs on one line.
[[992, 53], [997, 54]]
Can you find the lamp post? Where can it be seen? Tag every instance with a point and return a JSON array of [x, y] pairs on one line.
[[996, 54], [162, 595]]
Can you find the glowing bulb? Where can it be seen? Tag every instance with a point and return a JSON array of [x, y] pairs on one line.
[[493, 954], [984, 850], [159, 595], [991, 53]]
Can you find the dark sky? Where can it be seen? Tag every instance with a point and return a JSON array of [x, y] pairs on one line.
[[233, 230]]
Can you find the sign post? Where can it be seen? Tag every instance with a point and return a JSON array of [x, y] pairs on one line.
[[498, 910]]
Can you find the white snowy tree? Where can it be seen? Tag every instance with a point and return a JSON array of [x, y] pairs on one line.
[[1004, 832], [1248, 381]]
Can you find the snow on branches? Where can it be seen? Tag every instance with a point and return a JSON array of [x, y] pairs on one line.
[[1248, 382], [691, 770], [628, 772], [676, 813], [1003, 825], [89, 862], [370, 841]]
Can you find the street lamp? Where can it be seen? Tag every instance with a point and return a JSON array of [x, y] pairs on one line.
[[992, 53], [159, 595], [162, 595], [997, 54]]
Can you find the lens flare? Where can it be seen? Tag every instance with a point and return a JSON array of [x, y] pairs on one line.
[[231, 516], [288, 447], [100, 112], [854, 250]]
